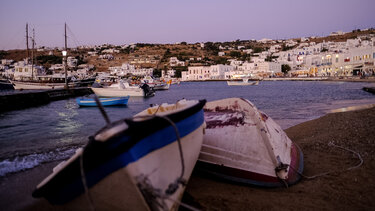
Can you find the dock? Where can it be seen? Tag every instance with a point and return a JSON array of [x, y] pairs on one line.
[[30, 98]]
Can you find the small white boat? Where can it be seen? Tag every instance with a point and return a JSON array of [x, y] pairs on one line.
[[141, 163], [162, 86], [243, 144], [122, 89], [244, 82]]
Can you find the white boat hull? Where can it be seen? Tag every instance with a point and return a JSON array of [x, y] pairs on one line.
[[116, 92], [33, 85], [242, 83], [245, 145]]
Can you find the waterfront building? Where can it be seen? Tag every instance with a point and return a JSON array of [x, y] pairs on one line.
[[25, 71], [173, 62], [168, 73], [126, 68]]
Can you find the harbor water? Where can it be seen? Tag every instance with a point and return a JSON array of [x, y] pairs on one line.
[[54, 131]]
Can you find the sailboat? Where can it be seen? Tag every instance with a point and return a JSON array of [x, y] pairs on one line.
[[30, 76]]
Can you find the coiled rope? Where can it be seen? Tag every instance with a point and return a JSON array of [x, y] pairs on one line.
[[331, 172]]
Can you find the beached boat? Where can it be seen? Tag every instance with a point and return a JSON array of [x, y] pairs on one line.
[[122, 89], [244, 82], [243, 144], [104, 101], [140, 163]]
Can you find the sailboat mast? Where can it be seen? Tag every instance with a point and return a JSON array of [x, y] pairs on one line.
[[27, 40], [66, 52], [32, 56]]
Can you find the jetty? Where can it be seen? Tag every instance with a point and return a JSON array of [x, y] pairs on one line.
[[30, 98]]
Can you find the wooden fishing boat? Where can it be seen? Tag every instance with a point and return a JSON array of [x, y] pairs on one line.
[[140, 163], [104, 101], [243, 144]]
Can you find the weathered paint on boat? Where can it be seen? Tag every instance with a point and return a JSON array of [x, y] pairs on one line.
[[132, 164], [243, 144]]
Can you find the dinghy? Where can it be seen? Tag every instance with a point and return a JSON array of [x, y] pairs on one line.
[[243, 144], [113, 101], [140, 163]]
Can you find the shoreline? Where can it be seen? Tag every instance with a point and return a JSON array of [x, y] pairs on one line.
[[347, 190], [370, 79]]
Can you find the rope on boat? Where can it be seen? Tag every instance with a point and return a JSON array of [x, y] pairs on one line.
[[102, 109], [330, 172], [84, 182], [149, 191]]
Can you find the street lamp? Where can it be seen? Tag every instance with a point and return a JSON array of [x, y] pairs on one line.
[[64, 53]]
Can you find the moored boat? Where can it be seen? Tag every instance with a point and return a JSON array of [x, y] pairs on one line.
[[6, 85], [244, 82], [123, 89], [140, 163], [243, 144], [104, 101], [162, 86], [36, 85]]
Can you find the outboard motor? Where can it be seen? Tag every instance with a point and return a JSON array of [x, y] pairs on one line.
[[149, 92]]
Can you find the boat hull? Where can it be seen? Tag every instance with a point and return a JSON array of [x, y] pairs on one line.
[[242, 83], [104, 101], [129, 164], [116, 92], [31, 85], [6, 85], [243, 144]]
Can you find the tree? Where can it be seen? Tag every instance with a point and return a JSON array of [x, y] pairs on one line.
[[258, 49], [235, 54], [285, 68]]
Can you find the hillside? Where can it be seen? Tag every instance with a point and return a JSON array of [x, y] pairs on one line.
[[157, 55]]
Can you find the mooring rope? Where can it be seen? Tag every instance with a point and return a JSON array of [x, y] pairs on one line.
[[84, 182], [330, 172]]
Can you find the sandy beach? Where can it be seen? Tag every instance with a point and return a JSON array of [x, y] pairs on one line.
[[341, 190]]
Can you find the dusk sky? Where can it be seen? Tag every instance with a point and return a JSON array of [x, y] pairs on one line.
[[93, 22]]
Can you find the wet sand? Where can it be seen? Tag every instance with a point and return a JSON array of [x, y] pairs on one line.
[[342, 190]]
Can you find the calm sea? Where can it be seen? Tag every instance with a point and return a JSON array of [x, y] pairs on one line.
[[54, 131]]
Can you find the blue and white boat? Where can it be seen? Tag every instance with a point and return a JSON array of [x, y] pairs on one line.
[[104, 101], [138, 163]]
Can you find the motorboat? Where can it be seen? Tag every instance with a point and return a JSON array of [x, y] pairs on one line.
[[123, 89], [138, 163], [243, 144], [243, 82]]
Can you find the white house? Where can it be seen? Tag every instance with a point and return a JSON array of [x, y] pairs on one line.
[[173, 62]]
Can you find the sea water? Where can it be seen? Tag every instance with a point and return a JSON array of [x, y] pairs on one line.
[[54, 131]]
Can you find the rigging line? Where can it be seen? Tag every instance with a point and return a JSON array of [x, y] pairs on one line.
[[77, 43], [330, 172]]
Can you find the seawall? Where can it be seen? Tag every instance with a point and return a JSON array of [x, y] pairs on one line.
[[26, 99]]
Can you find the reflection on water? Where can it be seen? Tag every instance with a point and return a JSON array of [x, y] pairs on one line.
[[67, 123]]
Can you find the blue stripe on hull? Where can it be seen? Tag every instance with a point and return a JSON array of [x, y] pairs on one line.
[[147, 145]]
